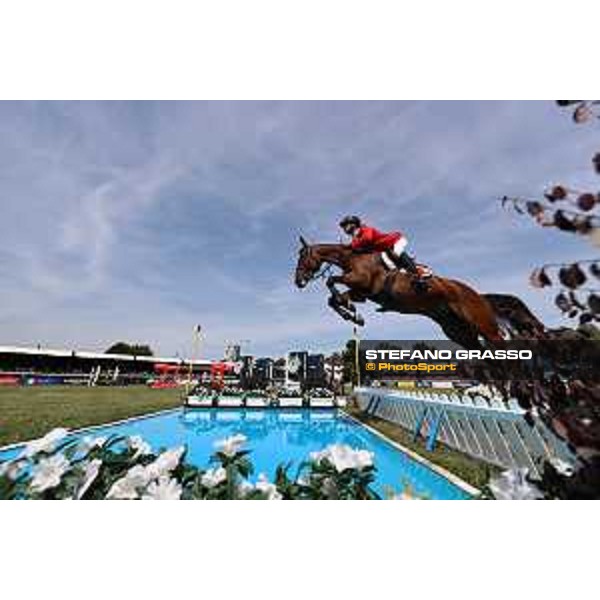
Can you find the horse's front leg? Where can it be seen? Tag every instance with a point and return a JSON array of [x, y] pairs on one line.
[[347, 300], [342, 302], [331, 282], [334, 303]]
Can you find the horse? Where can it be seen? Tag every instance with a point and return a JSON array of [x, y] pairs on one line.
[[464, 315]]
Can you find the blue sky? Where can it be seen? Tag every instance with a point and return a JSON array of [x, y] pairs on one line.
[[134, 221]]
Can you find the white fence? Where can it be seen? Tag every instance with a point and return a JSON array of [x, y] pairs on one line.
[[491, 430]]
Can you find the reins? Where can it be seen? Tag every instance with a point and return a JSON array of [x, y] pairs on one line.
[[323, 272]]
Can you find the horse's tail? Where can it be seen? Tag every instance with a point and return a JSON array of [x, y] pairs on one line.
[[515, 315]]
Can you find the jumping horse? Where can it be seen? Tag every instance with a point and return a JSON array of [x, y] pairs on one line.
[[465, 316]]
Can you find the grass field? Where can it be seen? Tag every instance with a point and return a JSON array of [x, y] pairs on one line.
[[30, 412]]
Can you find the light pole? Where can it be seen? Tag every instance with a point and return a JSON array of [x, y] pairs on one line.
[[195, 352], [356, 360]]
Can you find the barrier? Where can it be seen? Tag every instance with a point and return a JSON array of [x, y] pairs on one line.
[[492, 430], [12, 380]]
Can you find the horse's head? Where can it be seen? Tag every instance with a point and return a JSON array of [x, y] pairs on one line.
[[308, 264]]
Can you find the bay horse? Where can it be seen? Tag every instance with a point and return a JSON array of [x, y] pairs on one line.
[[464, 315]]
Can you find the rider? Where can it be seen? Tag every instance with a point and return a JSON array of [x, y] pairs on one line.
[[393, 244]]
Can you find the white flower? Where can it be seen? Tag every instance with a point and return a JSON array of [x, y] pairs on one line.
[[48, 472], [11, 468], [88, 443], [562, 467], [46, 443], [122, 489], [513, 485], [141, 447], [263, 485], [231, 445], [163, 489], [91, 472], [166, 462], [127, 487], [344, 457], [138, 477], [213, 477]]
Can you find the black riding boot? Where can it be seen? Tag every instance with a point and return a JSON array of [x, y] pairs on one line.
[[404, 261]]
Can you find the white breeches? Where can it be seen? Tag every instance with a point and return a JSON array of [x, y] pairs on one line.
[[400, 246]]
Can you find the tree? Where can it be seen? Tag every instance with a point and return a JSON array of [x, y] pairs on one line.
[[349, 358], [130, 349]]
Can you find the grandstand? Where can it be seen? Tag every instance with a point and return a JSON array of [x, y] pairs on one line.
[[35, 365], [46, 366]]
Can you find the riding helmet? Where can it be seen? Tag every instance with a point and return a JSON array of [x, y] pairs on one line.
[[350, 220]]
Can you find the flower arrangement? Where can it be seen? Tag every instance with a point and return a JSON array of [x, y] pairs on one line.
[[59, 467]]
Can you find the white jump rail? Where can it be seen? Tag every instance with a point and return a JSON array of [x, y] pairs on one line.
[[230, 401], [200, 401], [492, 430], [257, 402], [318, 402], [291, 402]]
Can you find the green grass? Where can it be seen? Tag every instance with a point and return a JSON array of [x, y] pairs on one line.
[[469, 469], [30, 412]]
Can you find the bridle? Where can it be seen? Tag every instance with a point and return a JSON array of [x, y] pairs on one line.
[[321, 273]]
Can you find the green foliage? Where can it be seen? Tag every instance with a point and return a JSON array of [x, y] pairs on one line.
[[349, 358], [130, 349]]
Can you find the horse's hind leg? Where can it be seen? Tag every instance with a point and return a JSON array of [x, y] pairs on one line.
[[334, 303], [479, 313], [455, 327]]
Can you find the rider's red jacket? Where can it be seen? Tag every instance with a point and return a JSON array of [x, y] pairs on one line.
[[371, 239]]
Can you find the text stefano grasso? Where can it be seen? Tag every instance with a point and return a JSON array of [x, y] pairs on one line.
[[415, 354]]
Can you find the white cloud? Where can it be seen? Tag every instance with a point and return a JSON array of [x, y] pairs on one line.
[[137, 220]]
